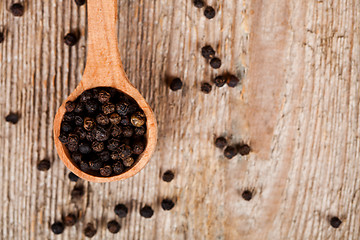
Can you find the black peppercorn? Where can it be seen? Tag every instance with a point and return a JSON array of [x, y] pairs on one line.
[[118, 167], [90, 230], [139, 131], [85, 96], [114, 118], [89, 124], [199, 3], [113, 226], [113, 144], [69, 117], [207, 52], [84, 148], [79, 107], [77, 192], [335, 222], [43, 165], [121, 210], [220, 142], [115, 131], [76, 157], [146, 212], [57, 227], [79, 121], [12, 118], [80, 131], [96, 165], [72, 147], [138, 119], [80, 2], [72, 177], [102, 119], [244, 150], [232, 81], [108, 108], [17, 9], [138, 147], [104, 156], [168, 176], [103, 96], [70, 39], [70, 220], [127, 131], [125, 120], [101, 134], [230, 152], [98, 146], [1, 37], [63, 138], [219, 81], [247, 195], [128, 162], [91, 106], [125, 151], [70, 106], [106, 171], [122, 108], [209, 12], [84, 166], [167, 204], [215, 63], [176, 84], [206, 88], [73, 139], [90, 136]]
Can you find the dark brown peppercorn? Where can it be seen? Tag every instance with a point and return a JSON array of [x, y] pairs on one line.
[[335, 222], [209, 12], [73, 139], [79, 108], [102, 119], [244, 149], [98, 146], [176, 84], [207, 52], [108, 108], [70, 106], [79, 121], [115, 118], [77, 192], [138, 119], [70, 39], [206, 88], [1, 37], [106, 171], [125, 120], [84, 166], [85, 96], [247, 195], [168, 176], [128, 131], [80, 2], [57, 227], [220, 142], [89, 124], [12, 118], [199, 3], [90, 136], [138, 147], [96, 165], [101, 134], [140, 131], [219, 81], [103, 96], [113, 144], [104, 156], [232, 81], [230, 152], [146, 212], [72, 147], [80, 131], [76, 157], [215, 63], [70, 220], [69, 117], [84, 148], [72, 177], [63, 138], [121, 210], [122, 108], [113, 226], [90, 230], [128, 162], [118, 167], [91, 106], [115, 131], [125, 151], [43, 165], [17, 9], [167, 204]]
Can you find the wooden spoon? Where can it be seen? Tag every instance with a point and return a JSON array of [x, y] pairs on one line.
[[104, 69]]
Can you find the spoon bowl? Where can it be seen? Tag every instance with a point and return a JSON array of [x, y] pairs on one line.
[[104, 69]]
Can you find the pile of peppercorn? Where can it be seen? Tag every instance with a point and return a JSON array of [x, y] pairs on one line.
[[103, 129]]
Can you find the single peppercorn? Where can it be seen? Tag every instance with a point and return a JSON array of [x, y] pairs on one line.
[[115, 118], [76, 157], [17, 9], [125, 120], [104, 156], [108, 108], [335, 222], [232, 81], [140, 131], [89, 124], [167, 204], [146, 212], [84, 148], [113, 144], [122, 108], [118, 167], [127, 131], [43, 165], [12, 118], [84, 166], [106, 171], [199, 3], [101, 134], [70, 220], [73, 139], [85, 96], [72, 147], [63, 138], [57, 227], [115, 131], [128, 162], [70, 106], [113, 226], [96, 165], [138, 119], [80, 2], [80, 131], [69, 117], [207, 52], [102, 119], [70, 39], [125, 151], [104, 96], [206, 88], [176, 84], [77, 192], [89, 230], [121, 210], [72, 177], [79, 107], [230, 152], [168, 176], [247, 195], [244, 150], [91, 106], [215, 63], [79, 121], [1, 37], [138, 147], [220, 142], [209, 12], [219, 81], [98, 146], [90, 136]]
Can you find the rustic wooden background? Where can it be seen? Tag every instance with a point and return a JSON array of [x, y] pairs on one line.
[[297, 106]]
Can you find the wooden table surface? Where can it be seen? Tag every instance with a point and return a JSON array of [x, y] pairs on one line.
[[297, 107]]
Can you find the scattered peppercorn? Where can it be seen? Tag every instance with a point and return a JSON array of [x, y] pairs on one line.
[[247, 195], [77, 192], [17, 9], [176, 84], [215, 63], [1, 37], [335, 222], [43, 165], [219, 81], [12, 118], [113, 226], [73, 177], [232, 81], [146, 212], [230, 152], [244, 149], [168, 176], [220, 142], [89, 230], [207, 52], [167, 204], [199, 3], [70, 220], [57, 227], [70, 39], [80, 2], [121, 210], [206, 88], [209, 12]]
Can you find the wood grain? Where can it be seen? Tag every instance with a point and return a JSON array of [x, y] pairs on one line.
[[297, 106]]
